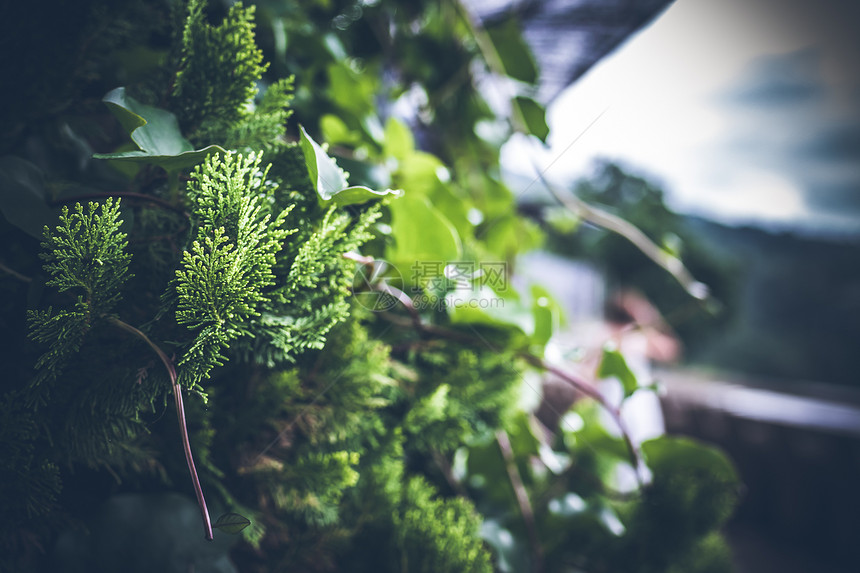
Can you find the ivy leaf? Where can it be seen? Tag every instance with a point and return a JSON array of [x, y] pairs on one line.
[[232, 523], [515, 55], [329, 180], [156, 132], [614, 364], [534, 116]]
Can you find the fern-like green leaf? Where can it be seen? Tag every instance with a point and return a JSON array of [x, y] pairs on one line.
[[219, 67], [223, 277], [85, 254]]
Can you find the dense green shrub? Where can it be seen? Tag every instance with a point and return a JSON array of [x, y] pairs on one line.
[[350, 409]]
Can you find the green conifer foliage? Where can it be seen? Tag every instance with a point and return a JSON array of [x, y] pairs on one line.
[[353, 439], [86, 255], [222, 277], [218, 70], [439, 534]]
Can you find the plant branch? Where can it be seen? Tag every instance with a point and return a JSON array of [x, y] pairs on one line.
[[522, 497], [448, 473], [14, 273], [578, 383], [591, 391], [180, 413], [610, 222]]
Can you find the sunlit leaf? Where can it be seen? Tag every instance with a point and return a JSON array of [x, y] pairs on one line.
[[399, 142], [330, 181], [422, 235], [547, 315], [335, 131]]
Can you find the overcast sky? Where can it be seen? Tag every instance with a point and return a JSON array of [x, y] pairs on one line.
[[747, 110]]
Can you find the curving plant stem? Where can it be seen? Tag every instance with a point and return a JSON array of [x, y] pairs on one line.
[[591, 391], [180, 414], [522, 498], [580, 384]]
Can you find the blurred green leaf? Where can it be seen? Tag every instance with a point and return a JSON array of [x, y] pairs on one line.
[[421, 234], [613, 364], [547, 315], [23, 198], [399, 142], [515, 55], [335, 131], [534, 116], [510, 552], [668, 454]]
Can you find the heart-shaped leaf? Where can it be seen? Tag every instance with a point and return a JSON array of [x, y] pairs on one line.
[[156, 132], [330, 181], [232, 523]]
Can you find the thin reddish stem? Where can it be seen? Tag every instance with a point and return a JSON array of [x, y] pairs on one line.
[[180, 414]]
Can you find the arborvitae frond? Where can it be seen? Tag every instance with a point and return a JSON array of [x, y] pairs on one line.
[[312, 296], [218, 69], [85, 253], [224, 275], [264, 127], [312, 486], [439, 534], [63, 332], [460, 393]]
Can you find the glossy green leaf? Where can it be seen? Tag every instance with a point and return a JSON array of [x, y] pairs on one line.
[[534, 116], [421, 234], [330, 181], [156, 133], [515, 55], [614, 364], [23, 197], [231, 523]]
